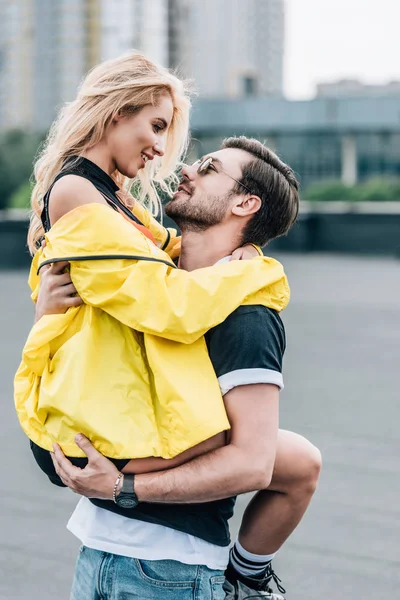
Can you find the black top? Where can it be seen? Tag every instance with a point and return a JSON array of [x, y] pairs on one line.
[[83, 167]]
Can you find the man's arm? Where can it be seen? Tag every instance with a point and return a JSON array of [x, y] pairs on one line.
[[244, 465]]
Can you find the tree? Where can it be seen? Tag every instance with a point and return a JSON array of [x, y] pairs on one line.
[[21, 197], [17, 154]]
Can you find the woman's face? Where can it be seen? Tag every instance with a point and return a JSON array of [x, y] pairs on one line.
[[135, 139]]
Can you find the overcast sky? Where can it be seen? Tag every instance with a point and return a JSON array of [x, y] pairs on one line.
[[332, 39]]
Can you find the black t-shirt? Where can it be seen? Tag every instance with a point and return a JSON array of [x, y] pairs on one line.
[[246, 348]]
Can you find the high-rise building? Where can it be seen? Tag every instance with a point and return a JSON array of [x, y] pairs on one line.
[[139, 24], [237, 47], [231, 48], [16, 47], [47, 47], [179, 35]]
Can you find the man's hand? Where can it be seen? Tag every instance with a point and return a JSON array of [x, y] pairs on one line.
[[245, 253], [96, 480], [57, 292]]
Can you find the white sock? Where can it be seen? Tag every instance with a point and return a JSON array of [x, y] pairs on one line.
[[246, 563]]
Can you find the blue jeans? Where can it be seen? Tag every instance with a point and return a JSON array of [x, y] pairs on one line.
[[104, 576]]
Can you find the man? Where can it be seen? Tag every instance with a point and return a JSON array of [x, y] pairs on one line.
[[241, 194]]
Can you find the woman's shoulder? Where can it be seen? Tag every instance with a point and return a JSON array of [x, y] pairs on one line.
[[69, 192]]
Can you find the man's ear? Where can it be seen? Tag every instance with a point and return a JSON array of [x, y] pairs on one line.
[[246, 205]]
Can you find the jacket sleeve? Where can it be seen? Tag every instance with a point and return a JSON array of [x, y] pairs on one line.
[[154, 298], [116, 268]]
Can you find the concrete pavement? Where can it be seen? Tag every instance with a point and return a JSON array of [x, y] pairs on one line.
[[342, 391]]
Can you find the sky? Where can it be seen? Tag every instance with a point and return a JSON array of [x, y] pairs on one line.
[[328, 40]]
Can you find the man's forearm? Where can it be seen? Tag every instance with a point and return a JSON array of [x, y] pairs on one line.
[[219, 474]]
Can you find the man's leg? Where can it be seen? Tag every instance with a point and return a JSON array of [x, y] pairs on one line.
[[134, 579], [86, 576], [274, 513]]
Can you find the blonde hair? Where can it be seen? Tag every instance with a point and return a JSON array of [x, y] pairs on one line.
[[125, 85]]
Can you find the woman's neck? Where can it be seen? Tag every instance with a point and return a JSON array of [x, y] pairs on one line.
[[99, 155]]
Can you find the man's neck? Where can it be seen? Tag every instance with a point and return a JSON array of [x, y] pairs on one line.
[[205, 248]]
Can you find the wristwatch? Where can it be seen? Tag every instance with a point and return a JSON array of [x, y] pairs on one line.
[[127, 497]]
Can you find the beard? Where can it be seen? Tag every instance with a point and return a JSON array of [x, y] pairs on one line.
[[199, 214]]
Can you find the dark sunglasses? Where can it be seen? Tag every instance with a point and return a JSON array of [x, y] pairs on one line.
[[208, 165]]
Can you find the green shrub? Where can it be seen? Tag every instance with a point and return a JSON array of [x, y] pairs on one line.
[[329, 191], [17, 155], [21, 197], [378, 189]]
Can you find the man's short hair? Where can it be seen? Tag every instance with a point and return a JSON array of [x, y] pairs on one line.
[[274, 182]]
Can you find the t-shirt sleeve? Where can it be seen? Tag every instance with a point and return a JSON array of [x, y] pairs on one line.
[[248, 348]]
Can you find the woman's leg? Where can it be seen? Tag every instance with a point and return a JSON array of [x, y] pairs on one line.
[[274, 513], [151, 464]]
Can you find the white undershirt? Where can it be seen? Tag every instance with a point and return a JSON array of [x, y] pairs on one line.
[[106, 531]]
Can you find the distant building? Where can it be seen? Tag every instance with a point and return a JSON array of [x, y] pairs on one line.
[[16, 73], [179, 35], [48, 46], [354, 87], [350, 139], [139, 24], [237, 47], [231, 48], [46, 49]]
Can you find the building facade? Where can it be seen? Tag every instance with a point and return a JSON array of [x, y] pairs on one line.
[[139, 24], [47, 47], [354, 87], [230, 48], [16, 74], [347, 139], [237, 47]]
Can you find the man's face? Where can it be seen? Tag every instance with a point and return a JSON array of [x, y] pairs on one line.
[[204, 200]]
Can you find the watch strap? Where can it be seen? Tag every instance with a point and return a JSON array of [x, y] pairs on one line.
[[128, 484]]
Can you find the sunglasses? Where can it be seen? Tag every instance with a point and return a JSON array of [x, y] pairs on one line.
[[208, 164]]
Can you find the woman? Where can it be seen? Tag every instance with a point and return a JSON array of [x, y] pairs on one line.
[[112, 368]]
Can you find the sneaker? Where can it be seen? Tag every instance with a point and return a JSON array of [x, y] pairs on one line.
[[248, 588]]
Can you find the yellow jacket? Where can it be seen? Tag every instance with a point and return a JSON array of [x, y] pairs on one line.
[[130, 368]]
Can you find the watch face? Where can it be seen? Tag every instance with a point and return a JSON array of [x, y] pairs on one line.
[[126, 501]]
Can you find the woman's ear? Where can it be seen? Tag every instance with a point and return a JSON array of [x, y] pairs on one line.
[[246, 205], [117, 117]]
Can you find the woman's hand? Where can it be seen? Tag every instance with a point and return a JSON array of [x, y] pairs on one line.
[[96, 480], [246, 252], [57, 292]]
